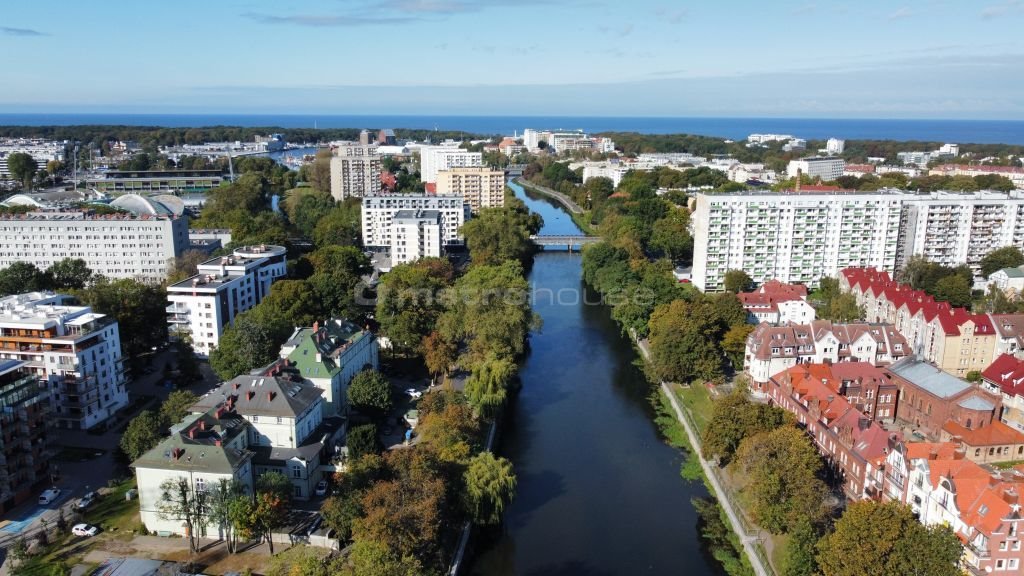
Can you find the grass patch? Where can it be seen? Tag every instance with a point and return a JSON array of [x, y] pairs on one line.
[[79, 454], [1007, 465], [697, 400], [113, 513]]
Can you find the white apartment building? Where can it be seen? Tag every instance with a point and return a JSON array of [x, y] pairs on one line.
[[74, 352], [415, 234], [613, 172], [203, 305], [835, 146], [795, 237], [953, 228], [433, 159], [531, 139], [42, 151], [114, 245], [329, 355], [355, 171], [765, 138], [478, 186], [824, 167], [1014, 173], [379, 211]]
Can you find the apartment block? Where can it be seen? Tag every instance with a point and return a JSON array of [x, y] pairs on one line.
[[795, 237], [1014, 173], [72, 352], [415, 234], [203, 305], [772, 349], [355, 171], [434, 159], [42, 151], [378, 213], [478, 186], [329, 355], [25, 425], [825, 167], [114, 245], [954, 339]]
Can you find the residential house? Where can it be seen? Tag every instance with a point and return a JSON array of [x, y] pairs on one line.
[[990, 444], [1009, 280], [777, 303], [1009, 334], [930, 398], [1006, 377]]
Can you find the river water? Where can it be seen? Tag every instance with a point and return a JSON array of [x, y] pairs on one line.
[[599, 491]]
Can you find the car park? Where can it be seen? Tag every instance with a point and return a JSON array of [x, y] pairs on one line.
[[84, 530]]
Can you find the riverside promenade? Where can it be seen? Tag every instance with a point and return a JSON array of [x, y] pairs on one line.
[[561, 198], [751, 544]]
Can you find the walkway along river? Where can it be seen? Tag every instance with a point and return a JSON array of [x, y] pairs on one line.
[[599, 491]]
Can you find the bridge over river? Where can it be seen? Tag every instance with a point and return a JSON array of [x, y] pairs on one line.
[[568, 242]]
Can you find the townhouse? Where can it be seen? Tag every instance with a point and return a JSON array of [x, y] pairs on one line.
[[777, 303]]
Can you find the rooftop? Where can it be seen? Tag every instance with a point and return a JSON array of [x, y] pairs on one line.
[[929, 378], [199, 443], [262, 395], [318, 352]]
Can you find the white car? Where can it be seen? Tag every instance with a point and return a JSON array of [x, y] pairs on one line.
[[84, 530], [413, 393], [86, 500], [49, 496], [321, 488]]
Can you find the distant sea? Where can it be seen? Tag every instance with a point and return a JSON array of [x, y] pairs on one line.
[[958, 131]]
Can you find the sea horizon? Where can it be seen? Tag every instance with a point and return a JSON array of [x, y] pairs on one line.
[[960, 131]]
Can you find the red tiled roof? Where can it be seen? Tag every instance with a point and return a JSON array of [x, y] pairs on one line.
[[868, 168], [995, 434], [1007, 372], [941, 450]]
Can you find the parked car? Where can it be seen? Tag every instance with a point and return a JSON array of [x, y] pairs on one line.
[[321, 488], [314, 525], [84, 530], [86, 501], [49, 496], [413, 393]]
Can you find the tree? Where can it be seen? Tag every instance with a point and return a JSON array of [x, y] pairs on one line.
[[370, 391], [671, 235], [362, 440], [487, 385], [953, 289], [1007, 257], [176, 407], [490, 486], [899, 544], [252, 341], [69, 274], [270, 510], [843, 308], [19, 550], [185, 266], [497, 235], [409, 300], [180, 500], [683, 339], [782, 468], [798, 558], [294, 302], [339, 227], [438, 354], [140, 311], [737, 281], [222, 499], [733, 419], [451, 429], [369, 558], [22, 167], [734, 343], [189, 372], [141, 434], [21, 277]]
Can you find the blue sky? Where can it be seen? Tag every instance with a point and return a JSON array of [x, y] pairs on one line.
[[817, 58]]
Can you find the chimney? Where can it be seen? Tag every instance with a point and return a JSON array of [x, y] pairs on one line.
[[202, 424], [270, 396], [249, 394], [236, 385], [192, 433], [217, 442], [1010, 496], [799, 172]]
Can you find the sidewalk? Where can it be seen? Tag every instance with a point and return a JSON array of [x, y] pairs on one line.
[[565, 200]]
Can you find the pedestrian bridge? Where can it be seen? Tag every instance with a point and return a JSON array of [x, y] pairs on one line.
[[563, 242]]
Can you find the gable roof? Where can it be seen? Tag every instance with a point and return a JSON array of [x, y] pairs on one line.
[[928, 378], [1007, 372], [200, 443], [995, 434], [318, 352], [262, 395]]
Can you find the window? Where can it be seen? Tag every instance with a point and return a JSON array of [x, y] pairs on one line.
[[298, 491], [200, 485], [255, 418], [280, 420], [1012, 563], [296, 471]]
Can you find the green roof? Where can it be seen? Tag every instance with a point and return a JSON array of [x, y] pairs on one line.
[[329, 341], [205, 450], [1013, 272]]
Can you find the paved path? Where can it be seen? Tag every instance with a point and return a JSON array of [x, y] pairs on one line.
[[565, 200], [749, 541]]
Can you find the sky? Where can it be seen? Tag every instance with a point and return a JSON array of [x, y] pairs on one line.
[[787, 58]]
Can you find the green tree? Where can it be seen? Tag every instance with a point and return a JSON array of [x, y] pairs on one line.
[[683, 339], [271, 505], [734, 343], [22, 167], [189, 372], [734, 418], [340, 226], [671, 235], [497, 235], [69, 274], [487, 386], [737, 281], [222, 498], [185, 266], [305, 207], [1007, 257], [369, 558], [141, 434], [370, 391], [798, 558], [176, 407], [295, 302], [362, 440], [843, 308], [252, 341], [490, 486], [138, 308], [21, 277], [899, 544], [438, 354], [410, 300], [782, 468], [953, 289]]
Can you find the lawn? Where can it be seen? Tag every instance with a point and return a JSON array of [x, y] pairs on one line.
[[697, 399]]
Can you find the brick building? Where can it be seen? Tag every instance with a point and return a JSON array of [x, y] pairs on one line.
[[929, 398]]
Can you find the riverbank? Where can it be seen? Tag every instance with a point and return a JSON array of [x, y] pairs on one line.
[[564, 200]]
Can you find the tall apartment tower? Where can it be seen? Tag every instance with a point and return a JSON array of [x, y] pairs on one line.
[[25, 425], [72, 351], [355, 172], [478, 186], [433, 159]]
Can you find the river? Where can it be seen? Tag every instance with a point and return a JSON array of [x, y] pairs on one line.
[[599, 491]]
